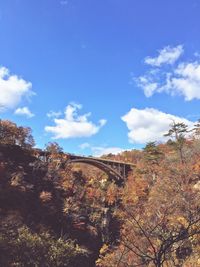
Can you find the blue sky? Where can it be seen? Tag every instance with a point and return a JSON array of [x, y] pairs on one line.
[[110, 74]]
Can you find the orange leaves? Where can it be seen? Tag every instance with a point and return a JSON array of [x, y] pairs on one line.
[[196, 168], [93, 193], [159, 212], [112, 193], [135, 189], [11, 134]]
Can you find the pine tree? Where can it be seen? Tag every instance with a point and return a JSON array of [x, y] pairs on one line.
[[178, 132]]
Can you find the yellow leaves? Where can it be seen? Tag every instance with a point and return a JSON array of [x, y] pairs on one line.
[[66, 184], [130, 197], [197, 186], [104, 249], [182, 221], [177, 221], [91, 181], [103, 183], [109, 260], [70, 205], [98, 263], [45, 196], [135, 189], [16, 180], [196, 168], [112, 194]]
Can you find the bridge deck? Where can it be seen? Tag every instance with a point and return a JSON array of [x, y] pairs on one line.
[[101, 160]]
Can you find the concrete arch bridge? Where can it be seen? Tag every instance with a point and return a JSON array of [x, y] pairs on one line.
[[116, 170]]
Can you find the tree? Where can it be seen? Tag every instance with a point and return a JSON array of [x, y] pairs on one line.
[[11, 134], [152, 153], [53, 147], [197, 130], [160, 226], [29, 249], [24, 137], [178, 132]]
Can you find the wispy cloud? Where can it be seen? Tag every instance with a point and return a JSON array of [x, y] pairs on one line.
[[84, 146], [167, 55], [180, 79], [12, 89], [149, 124], [24, 112], [74, 125], [99, 151], [54, 114]]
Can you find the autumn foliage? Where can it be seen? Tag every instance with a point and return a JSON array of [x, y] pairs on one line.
[[58, 214]]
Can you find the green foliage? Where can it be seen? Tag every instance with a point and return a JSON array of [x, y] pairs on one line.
[[178, 132], [152, 153], [34, 250]]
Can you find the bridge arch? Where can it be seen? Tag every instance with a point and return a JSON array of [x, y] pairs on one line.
[[100, 165]]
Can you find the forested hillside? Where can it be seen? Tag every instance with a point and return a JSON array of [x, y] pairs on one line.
[[53, 214]]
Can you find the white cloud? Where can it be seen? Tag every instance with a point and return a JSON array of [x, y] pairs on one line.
[[24, 112], [182, 79], [84, 146], [197, 54], [100, 151], [148, 83], [12, 89], [54, 114], [186, 80], [74, 125], [149, 124], [168, 55]]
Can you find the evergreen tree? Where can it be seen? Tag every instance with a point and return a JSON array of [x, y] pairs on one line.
[[178, 132], [152, 153]]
